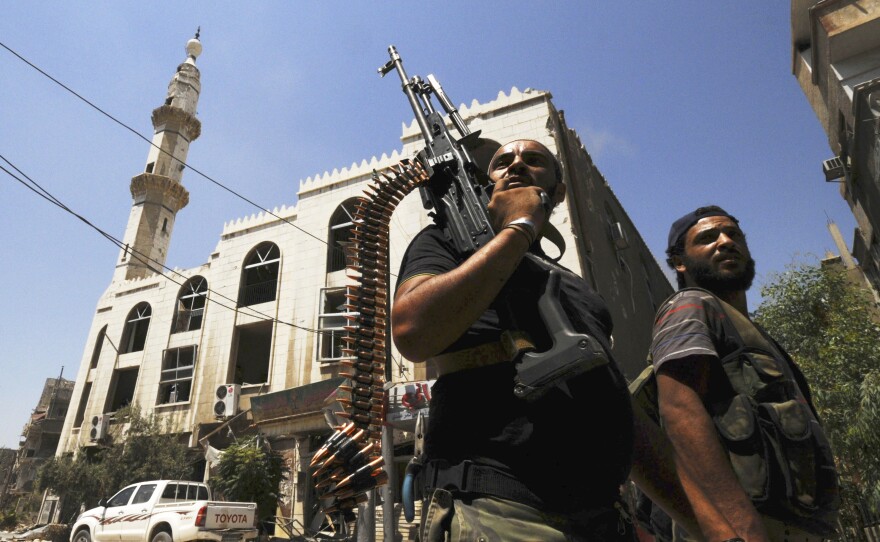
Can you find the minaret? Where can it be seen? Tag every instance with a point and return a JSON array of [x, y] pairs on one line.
[[157, 193]]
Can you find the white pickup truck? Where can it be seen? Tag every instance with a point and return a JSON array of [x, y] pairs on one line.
[[165, 511]]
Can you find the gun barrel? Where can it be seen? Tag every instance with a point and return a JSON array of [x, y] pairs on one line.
[[418, 108], [448, 106]]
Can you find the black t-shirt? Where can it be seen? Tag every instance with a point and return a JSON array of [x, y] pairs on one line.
[[571, 451]]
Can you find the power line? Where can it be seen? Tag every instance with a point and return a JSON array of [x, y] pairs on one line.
[[145, 259], [135, 132], [35, 187]]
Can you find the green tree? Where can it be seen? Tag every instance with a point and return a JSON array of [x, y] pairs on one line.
[[148, 449], [829, 325], [249, 470]]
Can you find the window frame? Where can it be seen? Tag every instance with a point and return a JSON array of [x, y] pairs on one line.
[[134, 339], [252, 267], [197, 293], [176, 379], [336, 332]]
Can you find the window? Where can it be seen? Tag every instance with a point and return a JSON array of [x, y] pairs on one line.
[[190, 305], [122, 385], [259, 278], [253, 353], [81, 408], [331, 320], [99, 343], [136, 325], [175, 382], [185, 492], [143, 494], [121, 498], [340, 235]]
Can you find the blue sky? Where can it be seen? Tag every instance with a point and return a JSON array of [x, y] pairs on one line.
[[680, 104]]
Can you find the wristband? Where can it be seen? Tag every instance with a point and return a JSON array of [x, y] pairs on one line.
[[521, 229], [527, 225]]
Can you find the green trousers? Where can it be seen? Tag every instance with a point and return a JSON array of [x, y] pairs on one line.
[[490, 519]]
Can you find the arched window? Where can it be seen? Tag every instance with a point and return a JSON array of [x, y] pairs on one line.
[[259, 278], [136, 325], [190, 305], [99, 342], [340, 235]]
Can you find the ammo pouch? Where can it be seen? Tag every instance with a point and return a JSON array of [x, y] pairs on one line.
[[776, 447]]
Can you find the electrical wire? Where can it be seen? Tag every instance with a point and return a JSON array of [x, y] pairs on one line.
[[150, 142], [35, 187], [144, 258]]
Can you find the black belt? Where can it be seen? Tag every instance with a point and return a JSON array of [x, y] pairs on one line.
[[470, 477]]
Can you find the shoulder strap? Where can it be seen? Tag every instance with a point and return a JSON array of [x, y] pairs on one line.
[[751, 335], [553, 235]]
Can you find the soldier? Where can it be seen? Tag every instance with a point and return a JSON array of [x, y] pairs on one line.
[[504, 467], [735, 406]]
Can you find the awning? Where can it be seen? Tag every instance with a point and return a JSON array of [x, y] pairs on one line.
[[294, 402]]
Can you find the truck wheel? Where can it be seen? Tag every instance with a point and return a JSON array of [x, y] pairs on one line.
[[82, 536], [161, 536]]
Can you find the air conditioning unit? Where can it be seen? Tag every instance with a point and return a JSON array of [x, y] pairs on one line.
[[226, 400], [834, 168], [619, 235], [98, 429]]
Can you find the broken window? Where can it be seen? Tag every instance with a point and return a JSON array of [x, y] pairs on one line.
[[341, 223], [175, 381], [331, 322], [253, 353], [259, 278], [122, 389], [190, 305], [136, 325]]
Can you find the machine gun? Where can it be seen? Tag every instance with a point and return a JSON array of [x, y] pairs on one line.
[[458, 194], [458, 191]]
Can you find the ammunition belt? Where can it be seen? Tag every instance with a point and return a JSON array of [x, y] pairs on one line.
[[470, 477], [350, 462]]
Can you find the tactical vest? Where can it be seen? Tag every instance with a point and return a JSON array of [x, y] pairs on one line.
[[769, 427]]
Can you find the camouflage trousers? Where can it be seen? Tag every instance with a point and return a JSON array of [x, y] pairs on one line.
[[490, 519]]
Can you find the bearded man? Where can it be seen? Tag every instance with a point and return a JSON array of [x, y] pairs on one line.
[[736, 408]]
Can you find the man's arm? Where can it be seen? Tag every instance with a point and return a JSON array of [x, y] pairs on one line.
[[659, 472], [431, 312], [682, 384]]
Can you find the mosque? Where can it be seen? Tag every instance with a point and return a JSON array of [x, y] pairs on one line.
[[251, 340]]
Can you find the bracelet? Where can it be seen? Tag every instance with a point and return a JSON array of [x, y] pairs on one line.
[[527, 225], [521, 230]]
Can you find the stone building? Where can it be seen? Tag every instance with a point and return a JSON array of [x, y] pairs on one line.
[[42, 433], [835, 47], [7, 473], [252, 337]]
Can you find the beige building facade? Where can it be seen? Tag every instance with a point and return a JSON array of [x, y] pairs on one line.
[[836, 60], [252, 337]]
